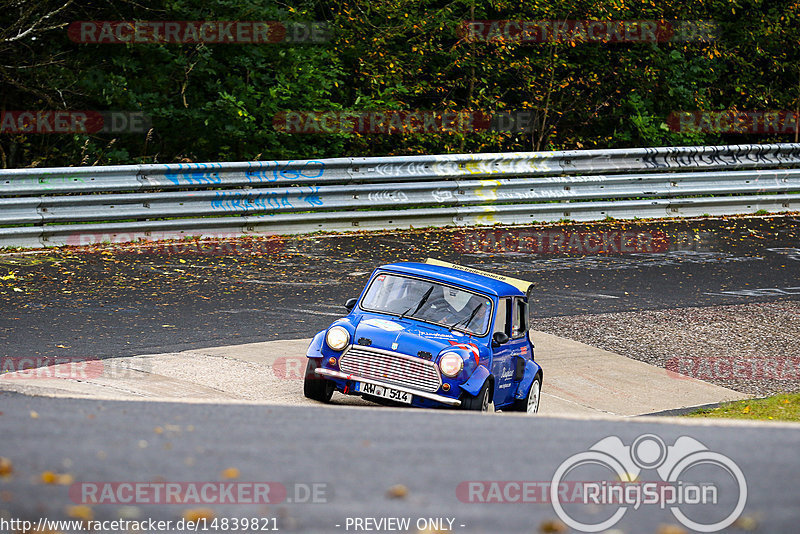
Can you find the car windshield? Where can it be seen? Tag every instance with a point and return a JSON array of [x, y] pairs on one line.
[[430, 302]]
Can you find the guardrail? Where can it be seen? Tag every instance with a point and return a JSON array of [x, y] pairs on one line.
[[82, 205]]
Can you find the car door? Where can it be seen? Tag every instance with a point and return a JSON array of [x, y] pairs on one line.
[[502, 355], [521, 348]]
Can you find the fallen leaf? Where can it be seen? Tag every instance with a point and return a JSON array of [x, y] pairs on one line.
[[398, 491], [49, 477], [80, 511], [6, 467], [746, 522], [671, 529], [230, 473], [552, 526], [195, 514], [34, 415]]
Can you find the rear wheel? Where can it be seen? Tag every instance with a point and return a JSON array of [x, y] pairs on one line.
[[314, 386], [478, 403], [530, 404]]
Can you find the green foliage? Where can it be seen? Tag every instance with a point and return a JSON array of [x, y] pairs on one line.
[[216, 102]]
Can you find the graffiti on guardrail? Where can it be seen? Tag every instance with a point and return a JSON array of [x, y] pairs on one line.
[[722, 156], [387, 196], [52, 181], [195, 174], [239, 201], [286, 170], [271, 201], [483, 188], [442, 195]]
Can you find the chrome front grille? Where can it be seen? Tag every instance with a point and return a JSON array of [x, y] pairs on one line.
[[391, 367]]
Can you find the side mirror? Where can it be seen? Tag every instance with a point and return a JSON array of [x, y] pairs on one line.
[[350, 304], [498, 338]]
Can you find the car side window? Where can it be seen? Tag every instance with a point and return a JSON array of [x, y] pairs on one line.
[[501, 320], [519, 318]]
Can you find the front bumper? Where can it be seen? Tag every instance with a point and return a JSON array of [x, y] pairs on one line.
[[430, 396]]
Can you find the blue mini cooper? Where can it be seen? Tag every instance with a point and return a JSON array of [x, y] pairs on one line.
[[431, 334]]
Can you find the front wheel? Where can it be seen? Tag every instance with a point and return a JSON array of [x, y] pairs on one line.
[[314, 386], [478, 403], [530, 404]]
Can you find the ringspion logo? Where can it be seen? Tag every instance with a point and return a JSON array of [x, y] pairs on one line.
[[689, 484]]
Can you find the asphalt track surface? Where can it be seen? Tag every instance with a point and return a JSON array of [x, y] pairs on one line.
[[358, 454], [114, 302], [118, 301]]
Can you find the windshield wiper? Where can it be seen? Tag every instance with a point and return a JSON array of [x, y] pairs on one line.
[[468, 319], [419, 305]]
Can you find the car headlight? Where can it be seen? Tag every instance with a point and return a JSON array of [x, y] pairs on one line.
[[451, 364], [337, 338]]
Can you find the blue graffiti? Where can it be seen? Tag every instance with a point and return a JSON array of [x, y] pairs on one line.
[[276, 171], [312, 198], [195, 174], [236, 201]]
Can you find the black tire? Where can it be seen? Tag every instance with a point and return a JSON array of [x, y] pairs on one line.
[[522, 405], [314, 386], [478, 403]]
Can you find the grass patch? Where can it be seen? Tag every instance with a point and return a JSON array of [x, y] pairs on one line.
[[783, 407]]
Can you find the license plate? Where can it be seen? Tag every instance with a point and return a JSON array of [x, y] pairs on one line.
[[384, 392]]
